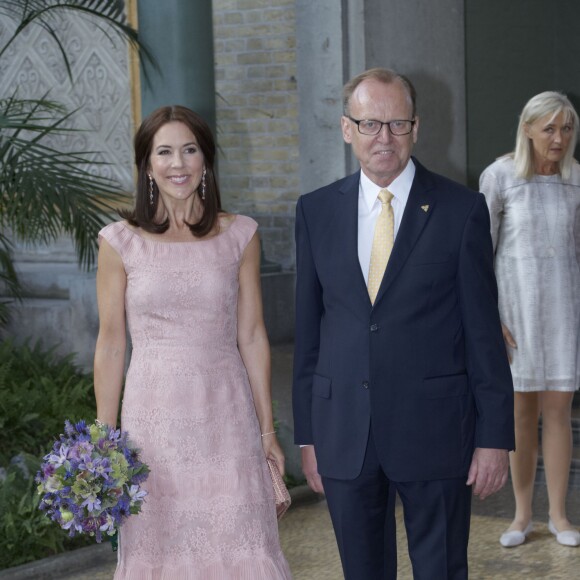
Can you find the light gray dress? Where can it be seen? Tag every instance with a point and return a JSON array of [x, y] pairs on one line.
[[535, 227]]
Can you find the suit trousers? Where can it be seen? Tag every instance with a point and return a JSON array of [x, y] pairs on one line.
[[436, 513]]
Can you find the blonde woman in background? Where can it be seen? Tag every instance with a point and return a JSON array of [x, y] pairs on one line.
[[533, 196]]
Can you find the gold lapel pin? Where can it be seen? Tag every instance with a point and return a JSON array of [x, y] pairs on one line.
[[425, 208]]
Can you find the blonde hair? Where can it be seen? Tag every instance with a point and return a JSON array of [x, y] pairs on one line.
[[546, 103]]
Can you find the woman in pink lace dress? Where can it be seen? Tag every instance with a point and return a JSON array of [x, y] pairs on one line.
[[184, 276]]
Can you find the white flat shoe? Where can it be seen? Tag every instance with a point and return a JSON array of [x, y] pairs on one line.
[[515, 537], [567, 537]]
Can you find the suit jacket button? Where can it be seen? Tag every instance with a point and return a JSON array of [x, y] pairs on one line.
[[374, 327], [365, 384]]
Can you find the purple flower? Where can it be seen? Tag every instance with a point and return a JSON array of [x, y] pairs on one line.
[[58, 458], [48, 469], [136, 494], [46, 502], [72, 525], [92, 503], [131, 455], [103, 468], [82, 450], [81, 486], [117, 437], [108, 525], [90, 524], [88, 465]]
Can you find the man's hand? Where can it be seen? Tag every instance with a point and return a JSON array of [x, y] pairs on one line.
[[310, 469], [488, 472]]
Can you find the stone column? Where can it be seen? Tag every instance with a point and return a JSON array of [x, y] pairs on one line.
[[320, 49], [179, 34]]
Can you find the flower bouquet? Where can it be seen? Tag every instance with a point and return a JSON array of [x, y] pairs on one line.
[[91, 480]]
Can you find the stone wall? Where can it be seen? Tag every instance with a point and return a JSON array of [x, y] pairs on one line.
[[257, 116]]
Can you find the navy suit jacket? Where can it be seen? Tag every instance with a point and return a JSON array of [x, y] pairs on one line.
[[426, 366]]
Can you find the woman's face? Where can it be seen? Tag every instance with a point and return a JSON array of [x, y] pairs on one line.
[[176, 162], [550, 136]]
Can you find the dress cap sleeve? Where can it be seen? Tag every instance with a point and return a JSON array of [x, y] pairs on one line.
[[118, 235]]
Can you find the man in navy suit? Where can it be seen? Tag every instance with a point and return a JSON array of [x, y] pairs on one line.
[[411, 391]]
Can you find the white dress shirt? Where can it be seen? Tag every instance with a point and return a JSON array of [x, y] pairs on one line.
[[369, 208]]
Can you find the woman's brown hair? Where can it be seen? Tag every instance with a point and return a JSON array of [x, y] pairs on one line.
[[143, 213]]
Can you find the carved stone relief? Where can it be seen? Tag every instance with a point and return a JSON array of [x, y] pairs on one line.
[[100, 92]]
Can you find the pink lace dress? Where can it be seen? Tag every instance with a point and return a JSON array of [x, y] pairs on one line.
[[187, 404]]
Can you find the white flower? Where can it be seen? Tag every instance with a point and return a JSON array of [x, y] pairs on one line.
[[137, 495], [52, 484]]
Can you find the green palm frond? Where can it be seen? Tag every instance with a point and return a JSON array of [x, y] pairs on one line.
[[8, 275], [107, 15], [43, 191], [8, 279]]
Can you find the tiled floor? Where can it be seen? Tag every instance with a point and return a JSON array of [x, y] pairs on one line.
[[308, 542]]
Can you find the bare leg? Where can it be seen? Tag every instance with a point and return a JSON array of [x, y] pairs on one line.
[[524, 459], [557, 451]]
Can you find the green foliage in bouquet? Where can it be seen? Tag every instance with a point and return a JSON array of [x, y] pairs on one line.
[[38, 391]]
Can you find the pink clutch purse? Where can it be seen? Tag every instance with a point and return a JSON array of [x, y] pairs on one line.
[[281, 494]]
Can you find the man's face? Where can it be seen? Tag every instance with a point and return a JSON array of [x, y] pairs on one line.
[[383, 156]]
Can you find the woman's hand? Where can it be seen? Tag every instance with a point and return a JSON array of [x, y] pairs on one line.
[[509, 340], [273, 451]]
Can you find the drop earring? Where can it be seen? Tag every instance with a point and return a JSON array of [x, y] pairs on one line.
[[203, 185], [150, 190]]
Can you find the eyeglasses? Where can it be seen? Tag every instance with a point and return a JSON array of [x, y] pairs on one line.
[[397, 127]]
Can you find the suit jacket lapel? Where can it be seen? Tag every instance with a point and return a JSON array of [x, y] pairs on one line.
[[346, 229], [419, 208]]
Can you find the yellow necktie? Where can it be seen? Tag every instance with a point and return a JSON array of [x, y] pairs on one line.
[[382, 243]]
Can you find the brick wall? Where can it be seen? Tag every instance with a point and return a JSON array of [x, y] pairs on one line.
[[257, 116]]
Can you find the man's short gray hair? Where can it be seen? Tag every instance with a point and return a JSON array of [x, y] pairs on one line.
[[383, 75]]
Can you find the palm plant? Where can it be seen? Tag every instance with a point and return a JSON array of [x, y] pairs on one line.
[[43, 191]]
